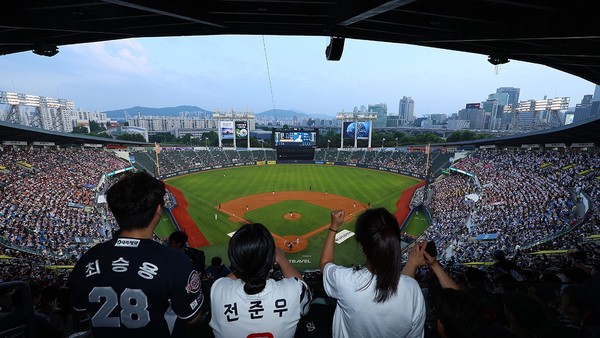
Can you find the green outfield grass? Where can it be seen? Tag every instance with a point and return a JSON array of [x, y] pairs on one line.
[[164, 228], [311, 217], [204, 191], [417, 224]]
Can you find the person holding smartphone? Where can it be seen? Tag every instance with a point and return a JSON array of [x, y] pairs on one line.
[[382, 299]]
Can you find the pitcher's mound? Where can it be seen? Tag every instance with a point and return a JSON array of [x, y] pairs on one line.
[[294, 216]]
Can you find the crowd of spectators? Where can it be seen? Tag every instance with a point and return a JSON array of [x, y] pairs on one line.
[[47, 200], [522, 196], [48, 197], [172, 160], [413, 162]]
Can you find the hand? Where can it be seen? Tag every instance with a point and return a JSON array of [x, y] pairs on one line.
[[337, 218], [416, 256], [429, 259], [279, 255]]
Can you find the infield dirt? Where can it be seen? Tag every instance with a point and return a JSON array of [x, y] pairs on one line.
[[238, 207]]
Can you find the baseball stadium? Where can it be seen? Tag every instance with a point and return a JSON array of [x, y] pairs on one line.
[[293, 200], [514, 219]]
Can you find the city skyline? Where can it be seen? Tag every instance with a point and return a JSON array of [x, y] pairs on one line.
[[230, 73]]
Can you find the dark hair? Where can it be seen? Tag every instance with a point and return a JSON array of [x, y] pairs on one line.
[[133, 200], [460, 313], [49, 294], [216, 261], [378, 234], [529, 314], [252, 254], [178, 237]]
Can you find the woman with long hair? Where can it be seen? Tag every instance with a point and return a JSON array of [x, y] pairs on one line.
[[248, 302], [381, 299]]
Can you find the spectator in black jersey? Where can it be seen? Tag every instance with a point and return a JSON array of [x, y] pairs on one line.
[[133, 286], [216, 269], [178, 240]]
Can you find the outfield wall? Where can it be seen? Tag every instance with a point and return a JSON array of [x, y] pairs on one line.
[[253, 163]]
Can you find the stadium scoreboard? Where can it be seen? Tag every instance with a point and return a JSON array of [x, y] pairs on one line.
[[294, 138]]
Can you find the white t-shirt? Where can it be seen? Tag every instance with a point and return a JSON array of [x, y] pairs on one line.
[[358, 315], [274, 312]]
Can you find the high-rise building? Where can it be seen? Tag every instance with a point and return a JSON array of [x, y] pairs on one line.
[[596, 93], [392, 121], [406, 111], [502, 98], [586, 109], [438, 118], [474, 114], [513, 94], [381, 110]]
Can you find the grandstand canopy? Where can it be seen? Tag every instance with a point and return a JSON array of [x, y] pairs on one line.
[[15, 132], [563, 35]]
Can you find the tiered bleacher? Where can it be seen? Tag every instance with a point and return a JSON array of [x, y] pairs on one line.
[[177, 160], [48, 207], [524, 200], [519, 198]]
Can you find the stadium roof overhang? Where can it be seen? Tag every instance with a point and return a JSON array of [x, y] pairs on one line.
[[16, 132], [564, 35], [559, 34]]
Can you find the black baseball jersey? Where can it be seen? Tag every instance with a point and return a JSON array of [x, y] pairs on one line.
[[136, 288]]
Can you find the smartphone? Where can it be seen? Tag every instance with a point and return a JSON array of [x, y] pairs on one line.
[[431, 249]]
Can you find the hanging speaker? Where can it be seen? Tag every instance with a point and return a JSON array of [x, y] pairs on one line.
[[334, 50]]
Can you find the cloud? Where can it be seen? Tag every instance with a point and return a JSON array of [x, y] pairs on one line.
[[122, 56]]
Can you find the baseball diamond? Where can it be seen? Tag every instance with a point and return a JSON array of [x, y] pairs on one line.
[[292, 201]]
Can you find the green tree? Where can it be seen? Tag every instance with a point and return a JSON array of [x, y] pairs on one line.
[[162, 138], [213, 138], [332, 137], [132, 137], [462, 135], [80, 130], [96, 127], [105, 135], [186, 139]]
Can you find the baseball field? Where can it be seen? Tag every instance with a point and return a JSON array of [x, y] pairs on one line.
[[293, 201]]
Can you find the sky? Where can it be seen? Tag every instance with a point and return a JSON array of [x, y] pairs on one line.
[[225, 73]]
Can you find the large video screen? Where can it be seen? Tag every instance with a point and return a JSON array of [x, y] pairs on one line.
[[360, 130], [295, 138]]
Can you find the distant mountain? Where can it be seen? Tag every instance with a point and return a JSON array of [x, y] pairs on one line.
[[323, 116], [147, 111], [119, 114], [282, 114]]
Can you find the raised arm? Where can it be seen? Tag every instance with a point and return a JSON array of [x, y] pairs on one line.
[[415, 259], [337, 218], [446, 281], [287, 269]]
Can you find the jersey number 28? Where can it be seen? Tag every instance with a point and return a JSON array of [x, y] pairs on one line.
[[134, 307]]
